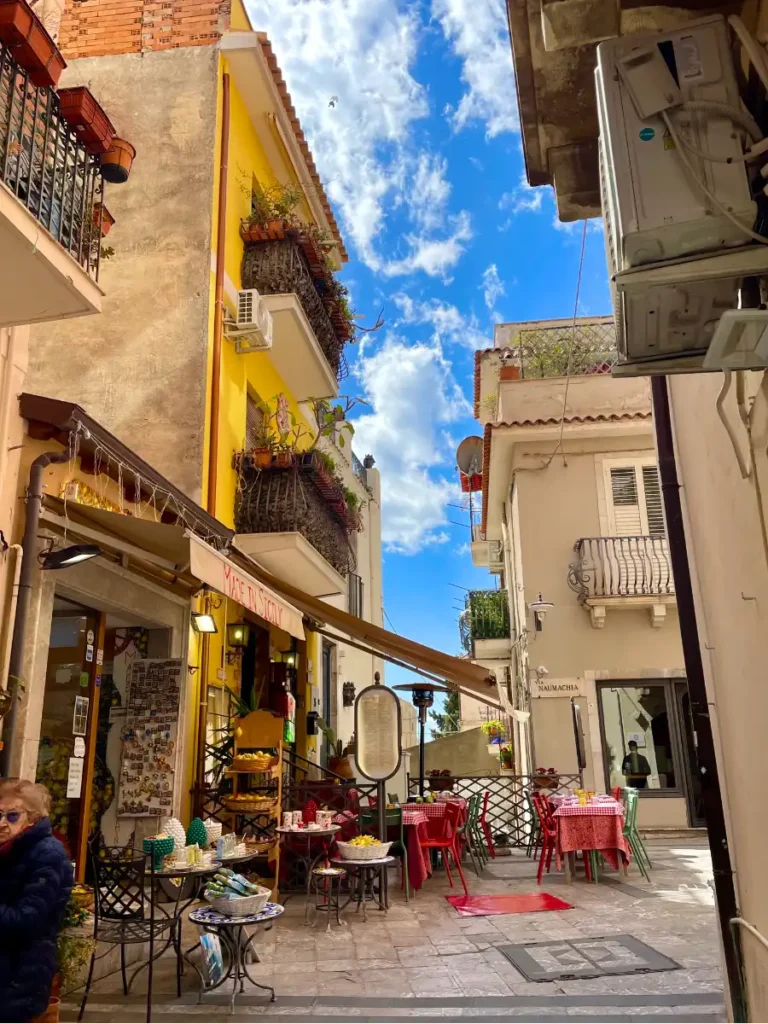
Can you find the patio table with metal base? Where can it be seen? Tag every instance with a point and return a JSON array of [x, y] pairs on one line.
[[238, 943], [363, 874], [307, 859]]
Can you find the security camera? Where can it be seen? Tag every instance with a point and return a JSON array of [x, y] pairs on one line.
[[542, 670]]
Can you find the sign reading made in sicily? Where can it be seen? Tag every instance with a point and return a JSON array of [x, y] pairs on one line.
[[557, 688]]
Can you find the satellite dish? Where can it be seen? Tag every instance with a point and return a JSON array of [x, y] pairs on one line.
[[469, 456]]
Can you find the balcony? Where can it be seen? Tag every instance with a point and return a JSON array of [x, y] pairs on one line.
[[484, 625], [308, 352], [48, 181], [623, 572], [293, 521]]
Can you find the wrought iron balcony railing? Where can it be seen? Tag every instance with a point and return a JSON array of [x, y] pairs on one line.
[[485, 617], [277, 267], [359, 470], [46, 167], [621, 567], [291, 500]]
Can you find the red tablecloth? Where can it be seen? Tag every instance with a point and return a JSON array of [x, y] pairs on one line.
[[422, 821], [595, 827]]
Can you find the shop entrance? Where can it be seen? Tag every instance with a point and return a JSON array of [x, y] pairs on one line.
[[89, 659]]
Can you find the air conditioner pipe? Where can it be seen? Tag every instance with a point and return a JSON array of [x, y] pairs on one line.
[[29, 566]]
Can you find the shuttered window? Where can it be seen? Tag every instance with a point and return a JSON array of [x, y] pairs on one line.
[[634, 500], [254, 423]]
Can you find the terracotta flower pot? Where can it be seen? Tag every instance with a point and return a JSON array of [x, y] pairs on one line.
[[283, 460], [116, 162], [341, 766], [82, 113], [262, 458], [107, 220], [30, 44], [440, 783]]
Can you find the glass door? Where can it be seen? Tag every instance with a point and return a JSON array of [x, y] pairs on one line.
[[70, 722], [693, 783]]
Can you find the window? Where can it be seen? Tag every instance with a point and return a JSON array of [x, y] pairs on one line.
[[640, 740], [255, 425], [634, 499]]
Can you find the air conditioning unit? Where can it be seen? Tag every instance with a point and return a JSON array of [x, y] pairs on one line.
[[671, 127], [251, 329]]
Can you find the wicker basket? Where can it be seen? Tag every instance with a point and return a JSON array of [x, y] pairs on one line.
[[241, 906], [261, 804], [245, 764], [350, 852]]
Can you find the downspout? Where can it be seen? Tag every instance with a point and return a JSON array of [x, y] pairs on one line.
[[725, 892], [29, 565], [213, 446]]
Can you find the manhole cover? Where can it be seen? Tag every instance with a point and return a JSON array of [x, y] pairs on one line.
[[558, 960]]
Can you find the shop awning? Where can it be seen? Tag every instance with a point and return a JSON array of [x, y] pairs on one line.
[[175, 551], [463, 674]]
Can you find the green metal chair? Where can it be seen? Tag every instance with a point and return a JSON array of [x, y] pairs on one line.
[[393, 798], [473, 832], [369, 822], [464, 832], [632, 835], [535, 836]]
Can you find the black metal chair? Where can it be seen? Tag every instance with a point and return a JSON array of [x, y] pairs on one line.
[[126, 912]]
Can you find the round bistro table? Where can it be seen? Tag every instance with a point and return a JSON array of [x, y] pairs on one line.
[[363, 873]]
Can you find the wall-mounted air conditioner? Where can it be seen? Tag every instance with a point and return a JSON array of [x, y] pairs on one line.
[[251, 328], [677, 203]]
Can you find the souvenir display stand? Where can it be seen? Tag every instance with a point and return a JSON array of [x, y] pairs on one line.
[[257, 785]]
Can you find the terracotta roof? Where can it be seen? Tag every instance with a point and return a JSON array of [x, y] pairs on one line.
[[548, 421], [285, 96]]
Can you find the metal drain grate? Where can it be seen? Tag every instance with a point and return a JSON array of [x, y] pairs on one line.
[[561, 960]]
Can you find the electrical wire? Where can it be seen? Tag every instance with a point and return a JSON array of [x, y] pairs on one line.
[[391, 623], [753, 153], [697, 181], [559, 444]]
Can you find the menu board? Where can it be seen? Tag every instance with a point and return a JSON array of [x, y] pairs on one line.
[[148, 757], [378, 733]]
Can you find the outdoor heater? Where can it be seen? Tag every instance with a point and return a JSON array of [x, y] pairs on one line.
[[423, 697]]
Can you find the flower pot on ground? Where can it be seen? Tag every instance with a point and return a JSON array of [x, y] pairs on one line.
[[30, 44], [116, 162], [82, 113]]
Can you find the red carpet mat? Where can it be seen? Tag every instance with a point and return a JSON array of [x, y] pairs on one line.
[[486, 906]]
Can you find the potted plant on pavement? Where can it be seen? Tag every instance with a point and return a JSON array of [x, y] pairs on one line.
[[338, 760]]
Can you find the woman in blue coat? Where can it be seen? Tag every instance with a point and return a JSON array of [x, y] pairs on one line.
[[35, 883]]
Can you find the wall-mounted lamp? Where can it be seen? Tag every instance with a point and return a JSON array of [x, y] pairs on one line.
[[540, 609], [290, 658], [65, 557], [238, 635], [204, 622], [348, 695]]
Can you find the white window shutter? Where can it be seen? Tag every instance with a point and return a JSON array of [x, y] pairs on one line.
[[653, 503], [625, 502]]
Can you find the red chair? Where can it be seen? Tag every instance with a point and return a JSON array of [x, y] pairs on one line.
[[548, 833], [483, 821], [617, 793], [445, 841]]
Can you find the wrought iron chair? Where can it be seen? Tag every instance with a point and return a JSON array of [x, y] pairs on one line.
[[125, 913]]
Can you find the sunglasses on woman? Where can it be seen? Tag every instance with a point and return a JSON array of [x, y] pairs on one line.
[[11, 816]]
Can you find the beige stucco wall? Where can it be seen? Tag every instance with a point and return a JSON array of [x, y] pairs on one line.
[[594, 395], [725, 522], [463, 753], [140, 368]]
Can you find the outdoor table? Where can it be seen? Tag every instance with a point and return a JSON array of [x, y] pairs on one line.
[[189, 881], [363, 874], [307, 859], [598, 825], [232, 934]]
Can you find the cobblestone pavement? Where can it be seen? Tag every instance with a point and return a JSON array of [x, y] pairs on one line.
[[422, 960]]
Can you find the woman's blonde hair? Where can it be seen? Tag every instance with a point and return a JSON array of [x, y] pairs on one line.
[[36, 798]]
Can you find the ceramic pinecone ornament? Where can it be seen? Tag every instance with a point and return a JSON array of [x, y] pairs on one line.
[[196, 834], [212, 830], [172, 827]]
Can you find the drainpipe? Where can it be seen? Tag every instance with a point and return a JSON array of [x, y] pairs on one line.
[[29, 565], [213, 446], [725, 892]]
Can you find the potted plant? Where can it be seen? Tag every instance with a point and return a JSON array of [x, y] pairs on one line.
[[338, 762], [506, 762], [440, 780], [84, 115], [31, 46], [102, 215], [545, 778], [73, 950], [493, 729], [116, 162]]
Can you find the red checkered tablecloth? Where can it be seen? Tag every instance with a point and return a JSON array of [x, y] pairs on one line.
[[436, 810], [597, 826], [603, 808]]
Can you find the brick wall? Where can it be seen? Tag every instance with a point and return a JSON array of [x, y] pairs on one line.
[[95, 28]]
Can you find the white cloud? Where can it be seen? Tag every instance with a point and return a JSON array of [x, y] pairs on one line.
[[447, 323], [429, 191], [414, 397], [434, 256], [477, 31], [525, 198], [492, 286]]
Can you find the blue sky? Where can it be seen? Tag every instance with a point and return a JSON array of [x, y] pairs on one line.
[[410, 112]]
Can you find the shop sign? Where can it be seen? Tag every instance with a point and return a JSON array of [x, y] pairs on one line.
[[557, 688], [249, 594]]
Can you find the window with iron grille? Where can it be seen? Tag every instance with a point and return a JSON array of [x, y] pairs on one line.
[[254, 423], [356, 594]]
